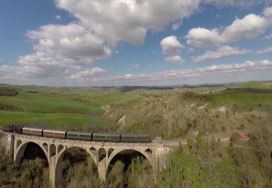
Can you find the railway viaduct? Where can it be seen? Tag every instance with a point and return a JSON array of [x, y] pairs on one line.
[[102, 153]]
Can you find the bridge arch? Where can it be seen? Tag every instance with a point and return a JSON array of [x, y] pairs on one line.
[[62, 151], [127, 152], [59, 159], [22, 148]]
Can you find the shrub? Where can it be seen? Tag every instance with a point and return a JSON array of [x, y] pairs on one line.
[[4, 91]]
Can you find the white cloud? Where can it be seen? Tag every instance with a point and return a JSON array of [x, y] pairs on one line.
[[265, 50], [92, 75], [176, 25], [188, 73], [202, 37], [127, 20], [268, 37], [61, 49], [249, 27], [220, 53], [174, 59], [58, 17], [238, 3], [267, 12], [88, 73], [1, 61], [170, 45], [242, 3], [52, 76], [71, 43]]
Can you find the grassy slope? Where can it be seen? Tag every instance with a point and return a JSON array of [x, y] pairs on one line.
[[242, 97], [57, 108], [46, 103]]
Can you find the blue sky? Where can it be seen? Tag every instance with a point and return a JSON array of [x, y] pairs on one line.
[[130, 42]]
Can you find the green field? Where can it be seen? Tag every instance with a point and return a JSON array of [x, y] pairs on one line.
[[57, 107]]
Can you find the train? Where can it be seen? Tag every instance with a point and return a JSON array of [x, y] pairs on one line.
[[83, 136]]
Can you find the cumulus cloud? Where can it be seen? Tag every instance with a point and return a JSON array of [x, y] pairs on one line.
[[174, 59], [71, 43], [88, 73], [265, 50], [267, 12], [220, 53], [60, 50], [170, 45], [202, 37], [250, 26], [127, 20], [67, 51]]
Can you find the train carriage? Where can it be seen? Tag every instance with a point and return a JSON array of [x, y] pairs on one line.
[[135, 138], [79, 136], [103, 137], [54, 134], [32, 131], [142, 138]]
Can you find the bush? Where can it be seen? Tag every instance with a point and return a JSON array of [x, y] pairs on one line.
[[181, 169], [4, 91], [83, 175], [116, 178], [140, 174], [34, 174]]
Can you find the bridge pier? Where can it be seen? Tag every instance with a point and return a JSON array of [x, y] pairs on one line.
[[55, 172], [102, 169], [7, 142]]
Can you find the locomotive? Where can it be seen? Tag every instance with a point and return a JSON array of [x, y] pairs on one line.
[[71, 135]]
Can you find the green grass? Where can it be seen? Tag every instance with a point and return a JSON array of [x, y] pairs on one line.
[[55, 120], [100, 98], [245, 98], [45, 103], [240, 97], [256, 85], [57, 107]]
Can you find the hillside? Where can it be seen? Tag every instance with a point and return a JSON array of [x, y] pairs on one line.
[[62, 108], [168, 113], [182, 112]]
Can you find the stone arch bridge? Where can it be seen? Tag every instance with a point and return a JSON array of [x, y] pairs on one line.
[[102, 153]]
